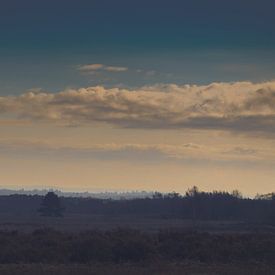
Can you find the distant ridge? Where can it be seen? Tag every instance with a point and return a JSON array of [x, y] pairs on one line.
[[100, 195]]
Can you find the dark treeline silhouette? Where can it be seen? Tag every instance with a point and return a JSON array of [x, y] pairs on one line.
[[125, 245], [51, 206], [193, 205]]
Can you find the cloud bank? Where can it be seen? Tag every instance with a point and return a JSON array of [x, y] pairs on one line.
[[240, 106]]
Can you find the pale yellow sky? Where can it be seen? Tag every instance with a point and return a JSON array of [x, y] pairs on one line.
[[40, 155], [124, 175]]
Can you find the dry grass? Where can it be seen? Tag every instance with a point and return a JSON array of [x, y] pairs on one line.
[[76, 223]]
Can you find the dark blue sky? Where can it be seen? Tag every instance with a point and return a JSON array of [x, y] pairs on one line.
[[42, 42]]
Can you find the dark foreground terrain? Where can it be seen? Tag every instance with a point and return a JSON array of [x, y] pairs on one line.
[[127, 251], [137, 269], [198, 233]]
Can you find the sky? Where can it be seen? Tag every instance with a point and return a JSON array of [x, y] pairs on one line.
[[137, 95]]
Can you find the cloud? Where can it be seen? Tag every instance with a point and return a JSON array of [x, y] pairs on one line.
[[115, 69], [91, 67], [13, 122], [242, 151], [97, 67], [179, 152], [240, 106]]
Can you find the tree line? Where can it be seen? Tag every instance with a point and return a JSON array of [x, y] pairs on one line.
[[194, 204]]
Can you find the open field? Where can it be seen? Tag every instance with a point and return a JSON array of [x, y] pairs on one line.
[[122, 246], [78, 222]]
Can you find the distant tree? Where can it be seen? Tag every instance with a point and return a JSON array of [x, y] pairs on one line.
[[237, 194], [193, 192], [51, 206], [157, 195], [173, 195]]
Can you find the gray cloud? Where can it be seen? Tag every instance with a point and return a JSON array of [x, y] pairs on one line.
[[240, 106]]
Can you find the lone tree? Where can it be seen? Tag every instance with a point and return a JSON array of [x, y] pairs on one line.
[[193, 195], [51, 206]]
